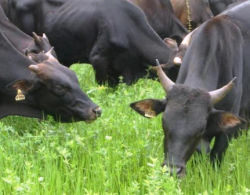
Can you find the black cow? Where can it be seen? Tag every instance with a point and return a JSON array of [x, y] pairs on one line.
[[113, 35], [218, 6], [162, 19], [44, 88], [192, 13], [194, 111]]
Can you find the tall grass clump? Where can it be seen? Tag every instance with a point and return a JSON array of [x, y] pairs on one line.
[[120, 153]]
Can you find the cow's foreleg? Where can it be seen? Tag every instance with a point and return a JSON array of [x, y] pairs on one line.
[[100, 65], [219, 148]]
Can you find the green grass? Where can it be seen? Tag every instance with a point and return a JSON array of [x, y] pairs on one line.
[[120, 153]]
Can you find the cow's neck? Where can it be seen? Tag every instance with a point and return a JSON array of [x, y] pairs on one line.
[[14, 64], [200, 71], [157, 50], [19, 39]]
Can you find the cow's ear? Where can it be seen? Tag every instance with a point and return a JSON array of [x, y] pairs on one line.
[[221, 121], [23, 84], [149, 108], [171, 43]]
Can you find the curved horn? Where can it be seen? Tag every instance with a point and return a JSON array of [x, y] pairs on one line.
[[187, 38], [49, 53], [177, 61], [219, 94], [166, 83], [36, 37], [183, 47], [44, 35]]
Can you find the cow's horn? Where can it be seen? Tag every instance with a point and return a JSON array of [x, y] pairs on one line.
[[219, 94], [177, 61], [49, 53], [187, 38], [36, 37], [44, 35], [166, 83]]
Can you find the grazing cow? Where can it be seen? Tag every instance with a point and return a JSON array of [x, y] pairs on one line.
[[198, 108], [162, 19], [113, 35], [192, 13], [218, 6], [45, 87]]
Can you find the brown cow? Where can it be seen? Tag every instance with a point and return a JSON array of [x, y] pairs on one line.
[[162, 19], [198, 12]]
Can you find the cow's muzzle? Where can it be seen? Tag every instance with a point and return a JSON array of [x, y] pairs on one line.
[[97, 111], [176, 170], [180, 172]]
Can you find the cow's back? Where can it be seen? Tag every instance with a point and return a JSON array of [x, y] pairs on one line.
[[219, 51], [240, 16]]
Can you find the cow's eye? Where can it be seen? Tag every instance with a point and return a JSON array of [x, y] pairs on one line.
[[59, 90]]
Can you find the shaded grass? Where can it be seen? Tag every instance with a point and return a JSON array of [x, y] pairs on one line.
[[120, 153]]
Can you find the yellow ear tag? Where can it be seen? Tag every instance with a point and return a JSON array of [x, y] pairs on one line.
[[19, 95], [149, 113]]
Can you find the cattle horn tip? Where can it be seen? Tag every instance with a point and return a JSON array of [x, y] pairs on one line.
[[34, 35], [219, 94], [233, 79], [177, 61], [50, 51], [37, 39], [44, 35], [157, 62]]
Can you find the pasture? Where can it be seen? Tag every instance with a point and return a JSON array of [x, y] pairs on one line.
[[120, 153]]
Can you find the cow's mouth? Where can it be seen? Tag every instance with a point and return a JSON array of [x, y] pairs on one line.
[[90, 120], [179, 171]]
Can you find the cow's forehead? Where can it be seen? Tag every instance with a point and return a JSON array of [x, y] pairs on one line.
[[180, 94]]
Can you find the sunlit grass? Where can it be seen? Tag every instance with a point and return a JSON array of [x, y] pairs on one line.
[[120, 153]]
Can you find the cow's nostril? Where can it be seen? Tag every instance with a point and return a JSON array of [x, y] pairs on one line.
[[178, 171], [97, 111]]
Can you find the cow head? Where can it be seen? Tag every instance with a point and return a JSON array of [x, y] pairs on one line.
[[179, 52], [172, 67], [188, 118], [40, 44], [54, 89]]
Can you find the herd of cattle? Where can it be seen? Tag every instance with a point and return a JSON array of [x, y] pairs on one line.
[[122, 38]]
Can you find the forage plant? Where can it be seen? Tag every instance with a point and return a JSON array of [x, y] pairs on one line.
[[119, 154]]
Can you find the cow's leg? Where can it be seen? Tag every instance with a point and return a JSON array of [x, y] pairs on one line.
[[103, 72], [26, 10], [131, 75], [27, 23], [219, 148], [100, 66]]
